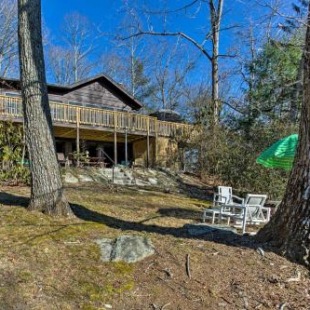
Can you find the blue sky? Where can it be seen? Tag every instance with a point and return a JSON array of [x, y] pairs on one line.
[[107, 15], [98, 11]]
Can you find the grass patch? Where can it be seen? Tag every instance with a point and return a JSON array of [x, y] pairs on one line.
[[54, 263], [58, 258]]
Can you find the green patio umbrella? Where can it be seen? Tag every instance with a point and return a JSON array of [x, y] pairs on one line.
[[280, 154]]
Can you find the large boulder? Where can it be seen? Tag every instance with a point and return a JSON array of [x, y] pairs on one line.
[[127, 248]]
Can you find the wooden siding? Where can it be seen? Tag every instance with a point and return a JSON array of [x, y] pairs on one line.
[[92, 95], [68, 115], [96, 95]]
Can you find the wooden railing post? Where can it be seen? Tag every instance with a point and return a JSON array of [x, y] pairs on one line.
[[66, 114]]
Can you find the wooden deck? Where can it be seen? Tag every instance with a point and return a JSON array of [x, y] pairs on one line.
[[94, 119]]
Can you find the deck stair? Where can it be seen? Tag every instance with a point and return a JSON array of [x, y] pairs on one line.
[[121, 176]]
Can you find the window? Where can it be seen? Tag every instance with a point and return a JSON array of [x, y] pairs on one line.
[[12, 106]]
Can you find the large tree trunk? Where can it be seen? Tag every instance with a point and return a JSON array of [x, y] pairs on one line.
[[289, 228], [46, 186]]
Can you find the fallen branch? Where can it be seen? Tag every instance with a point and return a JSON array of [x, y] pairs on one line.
[[188, 266], [72, 242]]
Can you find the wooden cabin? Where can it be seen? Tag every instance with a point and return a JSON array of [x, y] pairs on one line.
[[99, 117]]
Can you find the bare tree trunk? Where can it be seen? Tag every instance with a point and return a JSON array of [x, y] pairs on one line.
[[46, 186], [289, 228], [132, 68], [216, 15]]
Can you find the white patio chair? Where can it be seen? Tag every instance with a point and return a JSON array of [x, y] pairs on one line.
[[222, 197], [252, 211]]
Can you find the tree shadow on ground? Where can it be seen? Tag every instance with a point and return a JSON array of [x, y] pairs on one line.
[[85, 214], [13, 200], [181, 213], [226, 237]]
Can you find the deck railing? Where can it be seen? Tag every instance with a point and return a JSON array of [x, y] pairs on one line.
[[11, 107]]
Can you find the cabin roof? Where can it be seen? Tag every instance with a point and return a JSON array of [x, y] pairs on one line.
[[106, 81]]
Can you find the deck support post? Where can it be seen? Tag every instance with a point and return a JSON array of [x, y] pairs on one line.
[[148, 144], [115, 139], [156, 142], [78, 137], [126, 147]]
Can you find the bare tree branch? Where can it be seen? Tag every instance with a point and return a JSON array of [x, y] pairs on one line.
[[172, 34], [183, 8], [233, 107], [70, 62], [8, 38], [226, 55]]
